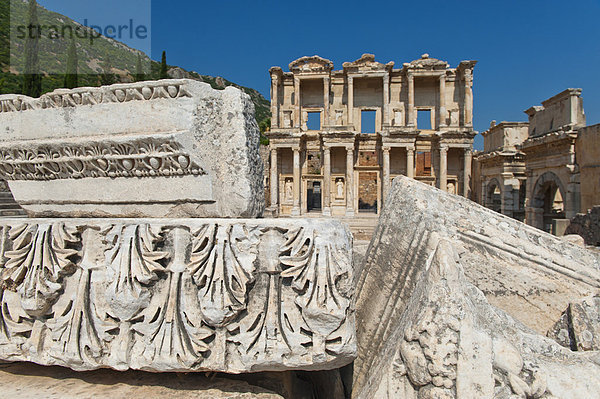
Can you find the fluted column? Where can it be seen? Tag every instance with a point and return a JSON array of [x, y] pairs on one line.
[[386, 171], [467, 173], [274, 101], [326, 181], [351, 101], [386, 99], [410, 162], [274, 180], [326, 91], [411, 100], [443, 168], [298, 114], [296, 207], [349, 181], [442, 114]]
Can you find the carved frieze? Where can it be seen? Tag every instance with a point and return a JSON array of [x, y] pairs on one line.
[[140, 157], [118, 93], [177, 294]]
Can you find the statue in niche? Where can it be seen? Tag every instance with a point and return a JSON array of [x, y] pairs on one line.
[[451, 188], [289, 189], [339, 186]]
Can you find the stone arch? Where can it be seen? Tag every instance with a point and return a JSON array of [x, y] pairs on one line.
[[493, 195], [549, 199]]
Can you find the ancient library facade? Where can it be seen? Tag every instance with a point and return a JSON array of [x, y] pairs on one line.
[[339, 137]]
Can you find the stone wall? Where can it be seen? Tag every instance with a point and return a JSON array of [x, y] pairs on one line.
[[587, 153], [587, 225]]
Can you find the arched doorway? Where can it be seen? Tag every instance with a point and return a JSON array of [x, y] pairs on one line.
[[549, 199], [493, 196]]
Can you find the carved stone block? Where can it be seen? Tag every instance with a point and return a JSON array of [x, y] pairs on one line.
[[177, 294], [168, 148]]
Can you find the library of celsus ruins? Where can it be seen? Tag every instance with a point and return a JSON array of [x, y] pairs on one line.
[[339, 137]]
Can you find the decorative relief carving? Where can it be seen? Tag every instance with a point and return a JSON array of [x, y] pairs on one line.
[[91, 96], [135, 158], [196, 295]]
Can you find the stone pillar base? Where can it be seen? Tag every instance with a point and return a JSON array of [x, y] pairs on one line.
[[295, 211], [326, 211]]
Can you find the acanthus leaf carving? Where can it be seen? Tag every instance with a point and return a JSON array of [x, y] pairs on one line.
[[317, 269], [175, 331], [132, 266], [40, 256], [221, 272]]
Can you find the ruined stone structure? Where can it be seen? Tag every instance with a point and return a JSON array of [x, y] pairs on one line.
[[159, 292], [587, 154], [552, 173], [454, 301], [336, 164], [501, 183], [549, 163]]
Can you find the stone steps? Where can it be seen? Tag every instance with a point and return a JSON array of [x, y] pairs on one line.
[[9, 207]]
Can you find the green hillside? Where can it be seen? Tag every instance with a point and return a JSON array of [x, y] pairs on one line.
[[105, 55]]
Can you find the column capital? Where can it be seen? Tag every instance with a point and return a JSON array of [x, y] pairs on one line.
[[350, 79], [275, 78], [444, 147], [386, 148], [326, 78]]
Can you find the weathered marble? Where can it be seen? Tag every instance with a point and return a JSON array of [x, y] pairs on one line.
[[227, 295], [449, 342], [579, 326], [449, 287], [168, 148]]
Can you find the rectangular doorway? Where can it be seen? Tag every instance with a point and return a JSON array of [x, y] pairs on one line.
[[313, 196], [367, 192]]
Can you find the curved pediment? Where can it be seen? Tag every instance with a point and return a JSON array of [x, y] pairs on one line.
[[425, 62], [311, 64], [367, 63]]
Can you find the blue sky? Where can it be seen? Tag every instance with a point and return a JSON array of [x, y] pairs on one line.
[[527, 50]]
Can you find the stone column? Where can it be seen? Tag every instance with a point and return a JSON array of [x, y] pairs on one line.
[[442, 114], [297, 189], [386, 99], [386, 171], [298, 115], [326, 181], [467, 173], [410, 162], [411, 100], [443, 181], [351, 102], [349, 181], [326, 91], [274, 101], [274, 180], [468, 98]]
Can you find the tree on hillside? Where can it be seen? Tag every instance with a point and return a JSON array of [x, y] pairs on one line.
[[71, 74], [107, 77], [264, 126], [139, 73], [163, 66], [32, 82]]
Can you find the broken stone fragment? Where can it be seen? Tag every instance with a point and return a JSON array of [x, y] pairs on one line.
[[168, 148], [230, 295]]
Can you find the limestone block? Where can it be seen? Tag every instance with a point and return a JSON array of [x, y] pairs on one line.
[[231, 295], [168, 148], [449, 342], [579, 326], [453, 300]]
